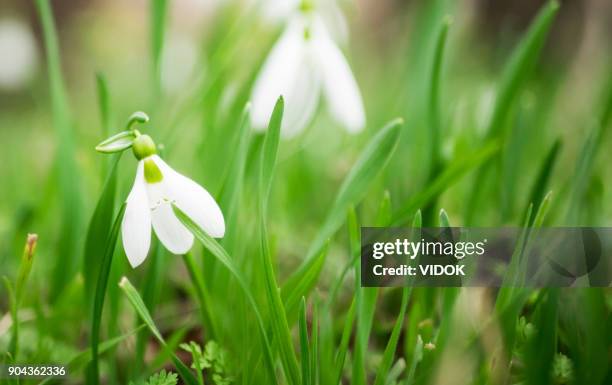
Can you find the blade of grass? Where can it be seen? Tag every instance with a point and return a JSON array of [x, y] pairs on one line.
[[219, 252], [520, 66], [98, 305], [587, 157], [516, 73], [314, 344], [371, 161], [543, 177], [159, 9], [366, 298], [99, 228], [278, 317], [304, 345], [67, 260], [433, 111], [387, 361], [104, 103], [448, 177], [140, 308]]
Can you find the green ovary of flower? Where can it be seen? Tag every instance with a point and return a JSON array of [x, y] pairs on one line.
[[152, 173], [143, 146]]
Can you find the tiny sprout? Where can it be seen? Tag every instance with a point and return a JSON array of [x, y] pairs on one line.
[[429, 346]]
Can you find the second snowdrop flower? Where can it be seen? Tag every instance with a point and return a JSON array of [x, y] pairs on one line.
[[304, 64], [157, 187]]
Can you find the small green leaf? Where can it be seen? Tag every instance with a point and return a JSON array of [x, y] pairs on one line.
[[117, 142], [161, 378]]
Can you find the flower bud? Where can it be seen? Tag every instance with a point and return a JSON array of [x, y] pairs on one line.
[[143, 146]]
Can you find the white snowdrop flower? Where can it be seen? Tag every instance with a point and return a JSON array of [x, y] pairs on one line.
[[156, 188], [305, 64]]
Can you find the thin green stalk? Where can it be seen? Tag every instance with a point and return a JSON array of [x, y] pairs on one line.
[[304, 345], [434, 114], [96, 319], [202, 293]]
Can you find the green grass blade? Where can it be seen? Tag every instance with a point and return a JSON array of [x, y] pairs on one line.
[[541, 182], [104, 271], [385, 210], [66, 264], [278, 317], [306, 284], [304, 345], [387, 361], [219, 252], [159, 9], [366, 298], [448, 177], [270, 151], [314, 344], [99, 228], [232, 188], [104, 103], [345, 339], [434, 116], [371, 161], [140, 308], [520, 66]]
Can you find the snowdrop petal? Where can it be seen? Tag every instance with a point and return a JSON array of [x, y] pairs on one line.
[[339, 86], [136, 223], [288, 71], [193, 200], [169, 229]]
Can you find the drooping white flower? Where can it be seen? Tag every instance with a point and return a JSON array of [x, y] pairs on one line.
[[156, 188], [305, 64]]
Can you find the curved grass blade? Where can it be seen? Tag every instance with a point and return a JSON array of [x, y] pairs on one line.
[[385, 365], [543, 177], [372, 160], [99, 228], [104, 102], [450, 175], [138, 305], [105, 267], [304, 346], [520, 65], [219, 252], [232, 188], [433, 110], [278, 317]]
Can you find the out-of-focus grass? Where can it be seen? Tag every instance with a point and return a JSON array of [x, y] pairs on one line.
[[279, 293]]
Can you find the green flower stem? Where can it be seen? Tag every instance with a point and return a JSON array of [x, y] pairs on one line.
[[105, 267], [202, 293]]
